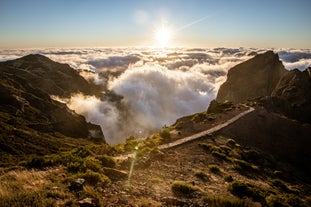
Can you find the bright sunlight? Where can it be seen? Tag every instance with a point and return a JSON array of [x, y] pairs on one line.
[[163, 35]]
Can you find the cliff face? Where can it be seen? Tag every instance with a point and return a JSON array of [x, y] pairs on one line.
[[292, 96], [254, 78], [264, 78]]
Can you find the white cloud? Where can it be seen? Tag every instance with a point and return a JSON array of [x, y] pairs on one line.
[[158, 86]]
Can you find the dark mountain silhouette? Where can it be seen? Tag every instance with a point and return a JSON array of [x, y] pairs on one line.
[[254, 78], [264, 82], [27, 109], [265, 79]]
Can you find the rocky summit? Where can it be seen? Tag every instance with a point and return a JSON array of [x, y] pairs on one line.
[[264, 78], [251, 79]]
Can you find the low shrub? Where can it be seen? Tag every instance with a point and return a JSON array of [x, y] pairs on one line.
[[165, 134], [183, 189], [228, 178], [201, 175], [94, 178], [106, 161], [242, 166], [214, 168], [92, 164], [39, 162], [241, 189], [31, 198], [231, 142], [222, 201]]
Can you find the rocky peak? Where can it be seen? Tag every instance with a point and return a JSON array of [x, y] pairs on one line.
[[256, 77]]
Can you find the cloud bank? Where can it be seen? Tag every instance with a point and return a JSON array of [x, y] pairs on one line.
[[147, 88]]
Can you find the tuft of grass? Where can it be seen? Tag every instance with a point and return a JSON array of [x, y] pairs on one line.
[[165, 134], [90, 163], [231, 142], [242, 166], [228, 178], [214, 168], [241, 190], [106, 161], [156, 180], [223, 201], [183, 189], [94, 178], [201, 175], [282, 186], [285, 200], [36, 199]]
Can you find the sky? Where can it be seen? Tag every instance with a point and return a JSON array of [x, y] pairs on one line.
[[128, 23]]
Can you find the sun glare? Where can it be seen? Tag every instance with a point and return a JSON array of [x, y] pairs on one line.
[[163, 35]]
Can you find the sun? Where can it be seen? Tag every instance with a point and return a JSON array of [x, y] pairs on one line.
[[163, 36]]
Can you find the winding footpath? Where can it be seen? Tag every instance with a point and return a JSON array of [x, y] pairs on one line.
[[194, 136]]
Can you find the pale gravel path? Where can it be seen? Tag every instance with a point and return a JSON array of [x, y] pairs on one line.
[[194, 136]]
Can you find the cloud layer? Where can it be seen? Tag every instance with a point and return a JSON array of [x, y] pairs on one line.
[[147, 88]]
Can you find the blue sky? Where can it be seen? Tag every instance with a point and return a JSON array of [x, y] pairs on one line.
[[195, 23]]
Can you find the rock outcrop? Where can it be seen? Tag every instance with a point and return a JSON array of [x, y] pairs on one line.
[[265, 79], [251, 79]]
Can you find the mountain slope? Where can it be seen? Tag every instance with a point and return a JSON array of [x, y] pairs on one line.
[[29, 118]]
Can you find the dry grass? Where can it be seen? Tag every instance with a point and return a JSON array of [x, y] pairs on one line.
[[20, 181]]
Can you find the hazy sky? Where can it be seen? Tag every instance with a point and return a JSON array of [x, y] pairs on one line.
[[193, 23]]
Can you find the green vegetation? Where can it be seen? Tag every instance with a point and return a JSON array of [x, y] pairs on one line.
[[219, 152], [241, 189], [201, 175], [36, 199], [242, 166], [94, 178], [214, 168], [228, 178], [165, 134], [183, 189], [222, 201], [106, 161]]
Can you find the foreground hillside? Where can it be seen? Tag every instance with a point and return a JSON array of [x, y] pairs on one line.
[[214, 170]]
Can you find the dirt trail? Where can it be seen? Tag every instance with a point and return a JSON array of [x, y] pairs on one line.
[[194, 136]]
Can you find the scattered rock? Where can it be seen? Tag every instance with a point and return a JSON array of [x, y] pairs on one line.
[[115, 174], [87, 202], [77, 184]]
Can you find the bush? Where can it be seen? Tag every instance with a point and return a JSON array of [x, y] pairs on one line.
[[214, 168], [199, 117], [92, 164], [94, 178], [183, 189], [228, 178], [165, 134], [74, 167], [231, 142], [241, 189], [242, 166], [106, 161], [39, 162], [221, 201], [201, 175]]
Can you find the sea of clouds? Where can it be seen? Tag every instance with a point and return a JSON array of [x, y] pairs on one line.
[[145, 89]]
